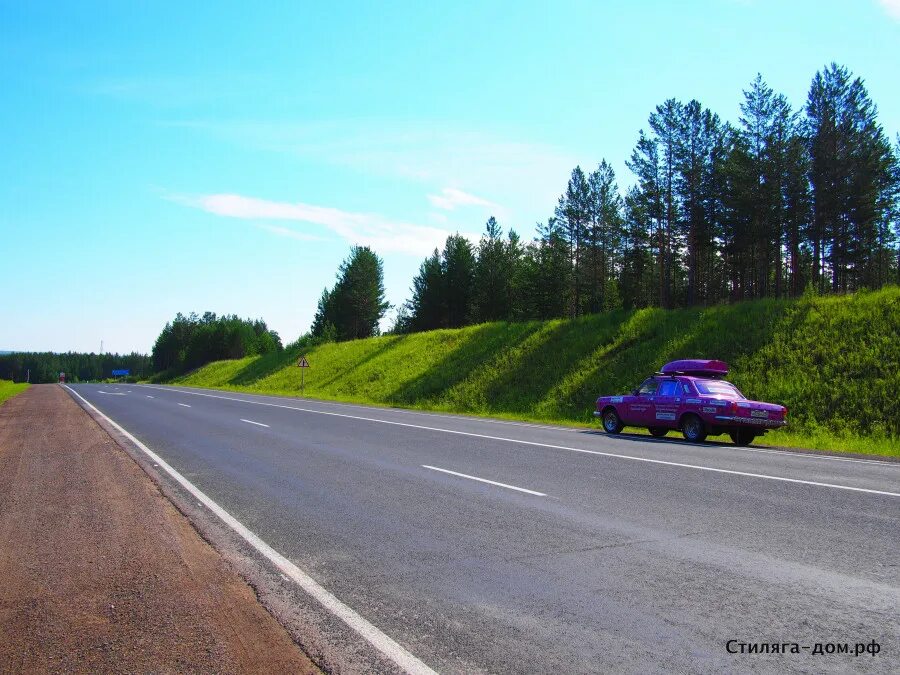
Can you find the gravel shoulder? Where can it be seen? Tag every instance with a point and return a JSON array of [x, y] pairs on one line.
[[101, 573]]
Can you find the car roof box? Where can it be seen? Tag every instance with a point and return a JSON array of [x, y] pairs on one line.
[[696, 367]]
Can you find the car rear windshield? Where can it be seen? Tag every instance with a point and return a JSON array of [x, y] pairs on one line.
[[718, 388]]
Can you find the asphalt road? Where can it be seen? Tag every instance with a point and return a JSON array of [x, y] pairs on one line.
[[586, 553]]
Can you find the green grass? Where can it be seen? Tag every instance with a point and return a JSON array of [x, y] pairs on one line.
[[834, 361], [9, 389]]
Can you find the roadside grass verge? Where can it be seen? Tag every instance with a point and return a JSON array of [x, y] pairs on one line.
[[9, 389], [833, 361]]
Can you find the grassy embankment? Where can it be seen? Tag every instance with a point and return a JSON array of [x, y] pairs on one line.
[[834, 361], [9, 389]]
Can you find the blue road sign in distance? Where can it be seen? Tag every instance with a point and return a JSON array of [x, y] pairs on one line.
[[120, 373]]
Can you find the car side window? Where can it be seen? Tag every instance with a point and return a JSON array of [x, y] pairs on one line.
[[648, 388], [669, 388]]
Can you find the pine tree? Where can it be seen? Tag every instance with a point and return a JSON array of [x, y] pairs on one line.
[[514, 271], [698, 145], [665, 123], [603, 238], [491, 294], [458, 262], [547, 274], [637, 277], [323, 321], [572, 215], [427, 307], [647, 203], [356, 304], [852, 179]]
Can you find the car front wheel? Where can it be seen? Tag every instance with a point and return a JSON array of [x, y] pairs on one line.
[[612, 424], [693, 429]]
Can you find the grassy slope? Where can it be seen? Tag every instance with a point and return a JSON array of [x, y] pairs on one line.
[[8, 389], [835, 362]]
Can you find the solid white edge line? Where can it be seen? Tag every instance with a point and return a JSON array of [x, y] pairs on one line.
[[488, 420], [384, 644], [484, 480], [547, 445], [185, 405], [259, 424]]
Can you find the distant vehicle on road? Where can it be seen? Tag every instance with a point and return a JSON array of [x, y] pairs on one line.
[[692, 396]]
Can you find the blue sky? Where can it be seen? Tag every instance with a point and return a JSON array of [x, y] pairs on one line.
[[160, 157]]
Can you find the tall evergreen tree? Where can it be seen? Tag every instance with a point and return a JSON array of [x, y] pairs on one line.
[[547, 274], [323, 321], [514, 261], [637, 276], [603, 239], [852, 179], [356, 304], [427, 307], [573, 213], [458, 262], [491, 300], [647, 203], [665, 123], [697, 147]]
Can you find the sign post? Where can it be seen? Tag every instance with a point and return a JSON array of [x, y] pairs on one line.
[[302, 364]]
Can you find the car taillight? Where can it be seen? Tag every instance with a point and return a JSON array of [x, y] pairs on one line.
[[734, 408], [784, 412]]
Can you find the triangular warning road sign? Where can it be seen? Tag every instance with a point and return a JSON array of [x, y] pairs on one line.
[[303, 363]]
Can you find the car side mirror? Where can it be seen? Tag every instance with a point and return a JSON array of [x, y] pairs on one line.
[[635, 392]]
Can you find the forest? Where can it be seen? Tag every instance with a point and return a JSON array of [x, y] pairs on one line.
[[783, 202], [43, 367], [190, 341], [184, 343]]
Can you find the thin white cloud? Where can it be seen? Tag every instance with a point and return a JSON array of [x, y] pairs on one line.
[[287, 232], [529, 175], [366, 229], [892, 7], [450, 198]]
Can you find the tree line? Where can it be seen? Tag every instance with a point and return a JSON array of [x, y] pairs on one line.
[[185, 343], [783, 201], [188, 342], [44, 367]]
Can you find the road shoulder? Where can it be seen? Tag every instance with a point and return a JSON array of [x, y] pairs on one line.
[[101, 572]]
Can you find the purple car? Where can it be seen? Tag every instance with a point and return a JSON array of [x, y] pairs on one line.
[[692, 396]]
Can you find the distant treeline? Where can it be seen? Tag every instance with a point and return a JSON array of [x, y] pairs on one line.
[[43, 367], [191, 341], [185, 343]]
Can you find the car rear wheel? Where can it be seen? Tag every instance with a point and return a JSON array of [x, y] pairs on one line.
[[612, 424], [658, 432], [742, 436], [693, 429]]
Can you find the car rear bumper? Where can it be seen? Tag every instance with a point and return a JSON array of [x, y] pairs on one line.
[[750, 421]]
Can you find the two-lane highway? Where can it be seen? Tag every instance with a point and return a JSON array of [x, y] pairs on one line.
[[497, 546]]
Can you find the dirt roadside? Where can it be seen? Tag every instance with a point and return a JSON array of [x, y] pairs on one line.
[[99, 572]]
